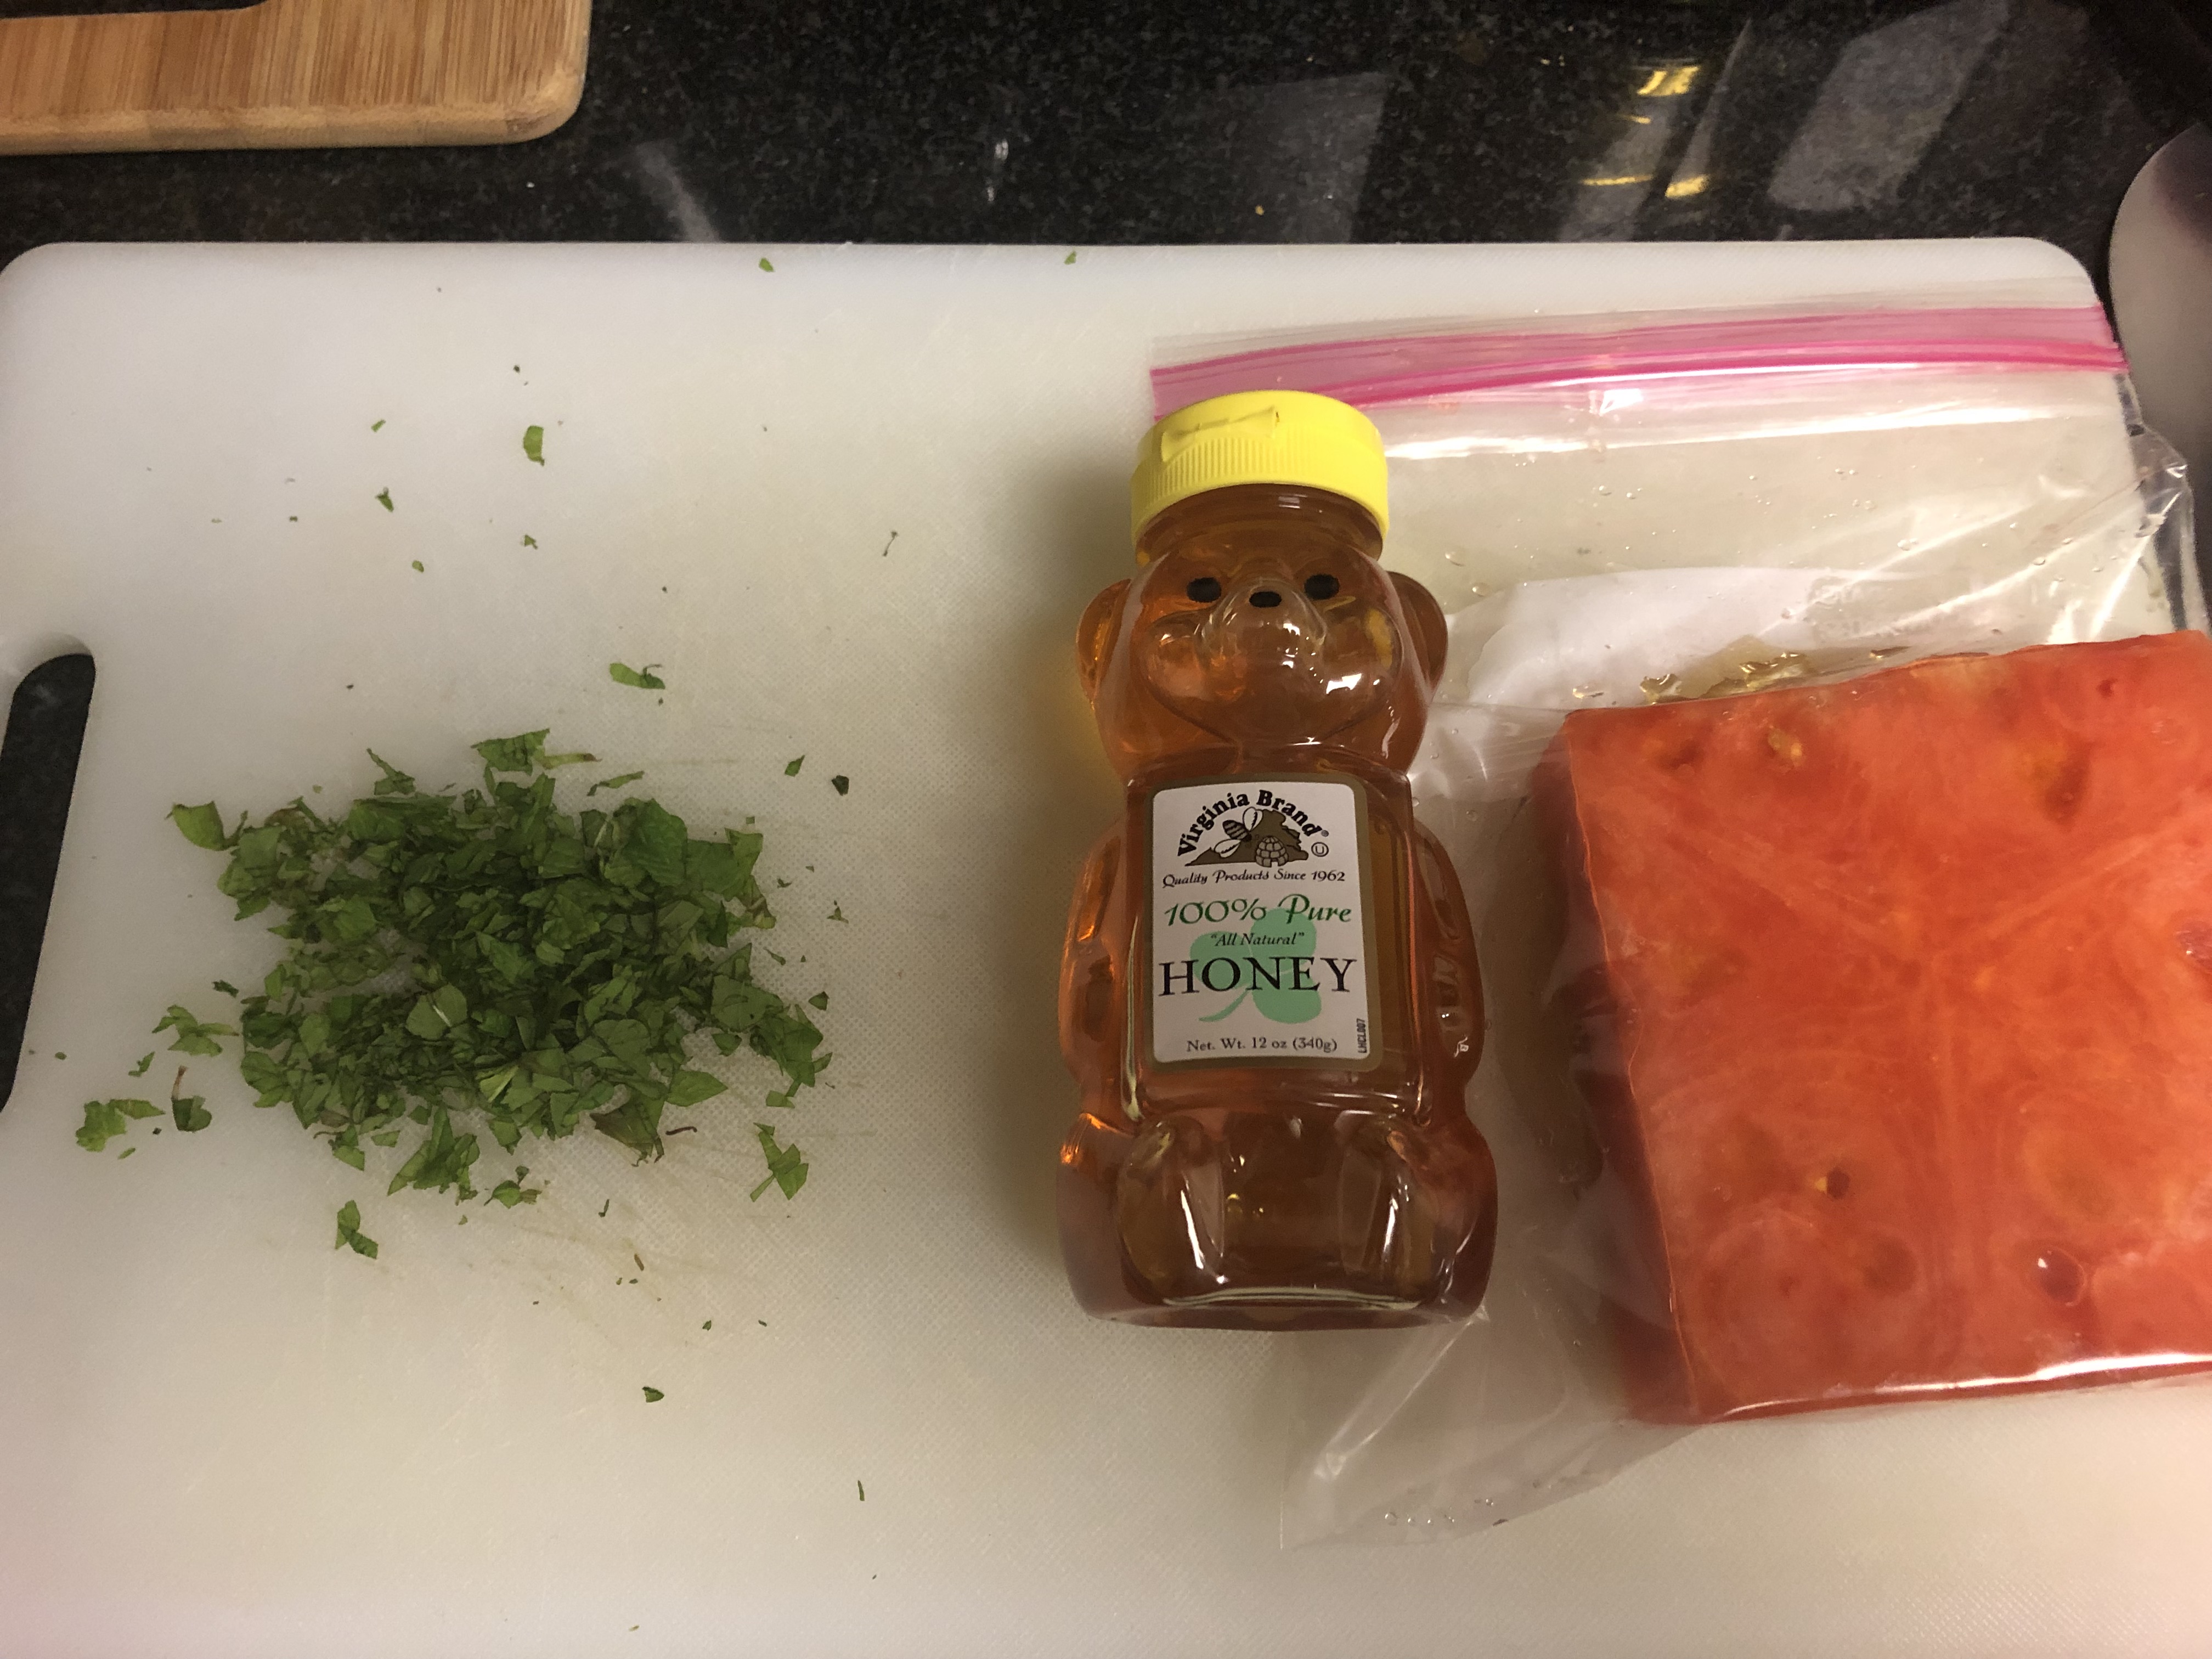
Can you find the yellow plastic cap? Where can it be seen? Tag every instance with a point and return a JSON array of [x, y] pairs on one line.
[[1297, 438]]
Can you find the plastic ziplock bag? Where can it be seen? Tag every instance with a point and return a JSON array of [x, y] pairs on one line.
[[1622, 513]]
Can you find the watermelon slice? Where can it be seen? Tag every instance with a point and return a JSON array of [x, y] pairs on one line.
[[1898, 1003]]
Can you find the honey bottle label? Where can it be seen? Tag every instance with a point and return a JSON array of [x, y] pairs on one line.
[[1262, 923]]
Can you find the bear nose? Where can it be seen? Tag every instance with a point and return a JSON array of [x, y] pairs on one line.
[[1266, 598]]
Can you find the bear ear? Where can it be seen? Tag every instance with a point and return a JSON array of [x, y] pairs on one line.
[[1425, 618], [1094, 635]]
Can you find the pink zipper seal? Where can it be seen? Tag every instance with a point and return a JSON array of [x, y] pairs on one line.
[[1408, 369]]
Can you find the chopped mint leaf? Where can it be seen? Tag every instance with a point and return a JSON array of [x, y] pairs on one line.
[[385, 496], [786, 1168], [194, 1036], [651, 1395], [644, 678], [191, 1112], [764, 264], [349, 1232], [525, 753], [103, 1121], [376, 426], [533, 443], [201, 825], [622, 781], [791, 770], [143, 1066]]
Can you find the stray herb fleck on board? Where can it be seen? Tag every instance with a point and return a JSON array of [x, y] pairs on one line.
[[791, 769], [764, 264], [863, 1486], [481, 962], [842, 784], [644, 678], [376, 426], [651, 1395], [417, 563], [533, 443], [530, 541], [385, 496]]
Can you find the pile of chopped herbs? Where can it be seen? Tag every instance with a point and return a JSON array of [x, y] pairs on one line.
[[486, 962]]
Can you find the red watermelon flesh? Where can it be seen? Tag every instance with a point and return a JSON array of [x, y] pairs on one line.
[[1899, 1003]]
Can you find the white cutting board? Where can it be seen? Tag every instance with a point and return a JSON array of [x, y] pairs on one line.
[[219, 1436]]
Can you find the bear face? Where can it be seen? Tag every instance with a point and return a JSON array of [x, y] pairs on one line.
[[1256, 629]]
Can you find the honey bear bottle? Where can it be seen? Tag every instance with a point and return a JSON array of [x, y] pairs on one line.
[[1269, 993]]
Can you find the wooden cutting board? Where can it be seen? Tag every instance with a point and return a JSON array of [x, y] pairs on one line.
[[293, 74]]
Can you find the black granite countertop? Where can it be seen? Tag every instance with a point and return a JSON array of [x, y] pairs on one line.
[[1133, 121], [1141, 121]]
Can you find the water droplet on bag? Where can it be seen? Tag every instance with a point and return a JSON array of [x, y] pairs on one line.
[[1605, 489]]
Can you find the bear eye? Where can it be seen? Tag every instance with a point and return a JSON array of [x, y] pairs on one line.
[[1321, 587], [1205, 590]]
